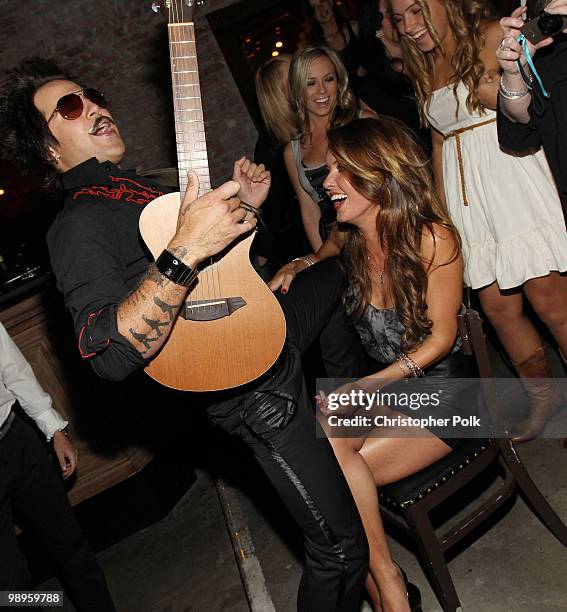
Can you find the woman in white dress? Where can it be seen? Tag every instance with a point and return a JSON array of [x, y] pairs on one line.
[[506, 208]]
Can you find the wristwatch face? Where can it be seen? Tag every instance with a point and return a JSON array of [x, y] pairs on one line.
[[174, 269]]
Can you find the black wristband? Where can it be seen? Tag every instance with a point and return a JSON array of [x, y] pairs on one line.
[[172, 267]]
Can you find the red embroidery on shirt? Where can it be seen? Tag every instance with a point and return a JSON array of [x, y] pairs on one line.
[[89, 319], [127, 190]]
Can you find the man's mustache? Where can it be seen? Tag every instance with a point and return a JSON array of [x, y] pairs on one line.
[[98, 121]]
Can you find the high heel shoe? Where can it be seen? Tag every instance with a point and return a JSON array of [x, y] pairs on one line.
[[413, 593]]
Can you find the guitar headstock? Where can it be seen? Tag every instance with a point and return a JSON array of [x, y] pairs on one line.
[[177, 11]]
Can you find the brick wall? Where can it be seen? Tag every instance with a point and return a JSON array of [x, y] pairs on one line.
[[120, 46]]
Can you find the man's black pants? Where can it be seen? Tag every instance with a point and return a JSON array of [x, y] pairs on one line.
[[276, 421], [31, 487]]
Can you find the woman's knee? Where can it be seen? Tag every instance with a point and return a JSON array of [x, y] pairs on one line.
[[502, 313], [344, 448], [549, 309]]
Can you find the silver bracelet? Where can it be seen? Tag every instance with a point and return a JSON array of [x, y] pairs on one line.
[[304, 258], [411, 365], [404, 368], [510, 94]]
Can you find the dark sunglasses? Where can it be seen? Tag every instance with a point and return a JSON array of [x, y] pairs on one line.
[[71, 106]]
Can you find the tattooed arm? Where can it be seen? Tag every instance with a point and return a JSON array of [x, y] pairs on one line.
[[205, 227], [146, 316], [93, 253]]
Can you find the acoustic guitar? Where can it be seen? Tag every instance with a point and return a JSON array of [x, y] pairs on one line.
[[231, 329]]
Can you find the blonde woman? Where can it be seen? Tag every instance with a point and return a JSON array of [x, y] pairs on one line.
[[282, 238], [506, 208], [320, 99], [273, 97]]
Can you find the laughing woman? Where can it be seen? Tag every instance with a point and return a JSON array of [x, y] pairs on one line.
[[401, 258], [320, 99]]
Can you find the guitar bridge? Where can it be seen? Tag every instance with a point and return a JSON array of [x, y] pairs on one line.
[[211, 310]]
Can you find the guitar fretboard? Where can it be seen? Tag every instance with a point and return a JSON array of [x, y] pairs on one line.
[[189, 124]]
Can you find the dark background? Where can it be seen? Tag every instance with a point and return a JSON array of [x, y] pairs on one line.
[[120, 47]]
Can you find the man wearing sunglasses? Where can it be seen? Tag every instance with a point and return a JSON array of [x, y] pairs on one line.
[[123, 305]]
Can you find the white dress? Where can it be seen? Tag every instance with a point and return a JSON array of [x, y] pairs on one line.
[[513, 227]]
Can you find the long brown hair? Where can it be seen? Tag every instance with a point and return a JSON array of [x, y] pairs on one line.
[[345, 107], [383, 162], [466, 18], [273, 98]]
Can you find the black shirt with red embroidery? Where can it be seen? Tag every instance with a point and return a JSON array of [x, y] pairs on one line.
[[98, 258]]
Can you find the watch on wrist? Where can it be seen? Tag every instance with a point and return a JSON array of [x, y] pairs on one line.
[[173, 268], [64, 431]]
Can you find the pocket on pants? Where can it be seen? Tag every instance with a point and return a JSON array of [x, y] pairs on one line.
[[268, 411]]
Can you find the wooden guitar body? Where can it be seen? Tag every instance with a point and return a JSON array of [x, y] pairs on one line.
[[222, 344], [231, 329]]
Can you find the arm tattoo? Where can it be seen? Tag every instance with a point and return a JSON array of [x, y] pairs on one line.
[[155, 324], [157, 277], [136, 297], [180, 251], [169, 309]]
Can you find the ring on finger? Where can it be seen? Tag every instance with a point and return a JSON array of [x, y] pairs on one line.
[[503, 46]]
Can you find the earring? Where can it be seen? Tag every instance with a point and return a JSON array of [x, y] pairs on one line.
[[56, 158]]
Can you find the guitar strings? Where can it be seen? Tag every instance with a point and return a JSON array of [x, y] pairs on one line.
[[176, 17], [208, 287]]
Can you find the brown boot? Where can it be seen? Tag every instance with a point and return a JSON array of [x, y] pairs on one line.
[[544, 399]]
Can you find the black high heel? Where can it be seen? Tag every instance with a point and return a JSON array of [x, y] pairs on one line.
[[413, 593]]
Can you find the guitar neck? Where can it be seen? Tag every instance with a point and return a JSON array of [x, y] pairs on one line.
[[189, 124]]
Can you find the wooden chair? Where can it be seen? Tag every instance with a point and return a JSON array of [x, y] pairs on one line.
[[408, 502]]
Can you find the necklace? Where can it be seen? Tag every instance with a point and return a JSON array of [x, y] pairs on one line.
[[375, 268]]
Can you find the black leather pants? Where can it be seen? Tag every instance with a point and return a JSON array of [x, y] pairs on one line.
[[275, 419]]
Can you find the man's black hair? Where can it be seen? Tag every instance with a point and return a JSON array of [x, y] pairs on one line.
[[24, 135]]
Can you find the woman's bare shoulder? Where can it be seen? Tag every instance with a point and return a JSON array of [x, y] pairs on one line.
[[439, 244]]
